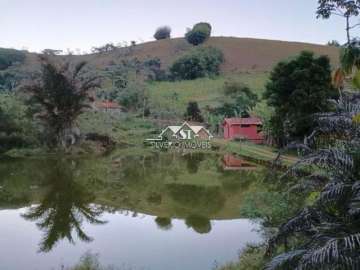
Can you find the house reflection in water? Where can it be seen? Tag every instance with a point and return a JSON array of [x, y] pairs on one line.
[[231, 162]]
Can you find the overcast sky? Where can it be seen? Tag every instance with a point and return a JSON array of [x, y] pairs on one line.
[[82, 24]]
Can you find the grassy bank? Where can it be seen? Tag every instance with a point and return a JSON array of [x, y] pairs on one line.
[[253, 151]]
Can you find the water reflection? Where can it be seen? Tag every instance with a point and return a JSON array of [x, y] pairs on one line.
[[193, 161], [64, 208], [155, 204], [231, 162], [202, 200], [163, 223], [200, 224], [67, 194]]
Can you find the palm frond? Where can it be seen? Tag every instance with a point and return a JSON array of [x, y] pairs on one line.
[[286, 260]]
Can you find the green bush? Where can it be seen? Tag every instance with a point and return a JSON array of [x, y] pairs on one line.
[[201, 62], [199, 34], [238, 100], [162, 32], [17, 129], [9, 56], [153, 70], [193, 112]]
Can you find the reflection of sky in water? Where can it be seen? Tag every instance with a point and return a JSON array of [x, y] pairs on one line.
[[126, 240]]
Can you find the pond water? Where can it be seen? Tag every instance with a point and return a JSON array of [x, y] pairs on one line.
[[156, 211]]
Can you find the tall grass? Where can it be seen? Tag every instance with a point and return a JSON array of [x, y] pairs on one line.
[[171, 98]]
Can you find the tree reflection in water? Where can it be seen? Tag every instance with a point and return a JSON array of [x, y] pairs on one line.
[[163, 223], [64, 208], [200, 224]]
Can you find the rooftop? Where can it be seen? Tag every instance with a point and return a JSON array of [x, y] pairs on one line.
[[243, 121]]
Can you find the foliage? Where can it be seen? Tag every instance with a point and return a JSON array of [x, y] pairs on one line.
[[265, 112], [239, 100], [127, 83], [193, 112], [330, 227], [251, 258], [60, 95], [333, 43], [9, 80], [200, 62], [17, 129], [153, 70], [162, 32], [350, 58], [134, 96], [328, 8], [91, 261], [108, 47], [6, 126], [343, 8], [214, 122], [9, 57], [272, 207], [199, 33], [297, 90]]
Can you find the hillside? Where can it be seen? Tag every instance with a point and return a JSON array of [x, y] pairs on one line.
[[246, 60], [241, 54]]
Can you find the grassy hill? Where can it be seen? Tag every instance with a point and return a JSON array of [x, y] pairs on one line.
[[241, 54], [246, 60]]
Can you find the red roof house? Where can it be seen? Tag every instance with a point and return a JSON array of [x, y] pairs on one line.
[[246, 128]]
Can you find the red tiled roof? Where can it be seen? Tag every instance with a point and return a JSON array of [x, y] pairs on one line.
[[243, 121]]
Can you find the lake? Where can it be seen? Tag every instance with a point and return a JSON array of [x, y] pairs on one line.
[[155, 211]]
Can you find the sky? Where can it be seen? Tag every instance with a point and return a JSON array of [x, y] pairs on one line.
[[81, 24]]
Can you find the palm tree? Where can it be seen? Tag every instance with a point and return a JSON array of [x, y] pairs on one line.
[[61, 94], [66, 205], [327, 234]]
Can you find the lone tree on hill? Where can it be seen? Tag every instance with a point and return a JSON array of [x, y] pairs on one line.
[[162, 32], [199, 33], [60, 96]]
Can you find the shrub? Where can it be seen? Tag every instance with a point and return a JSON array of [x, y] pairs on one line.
[[9, 56], [198, 63], [193, 112], [153, 70], [162, 32], [199, 34], [17, 129]]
